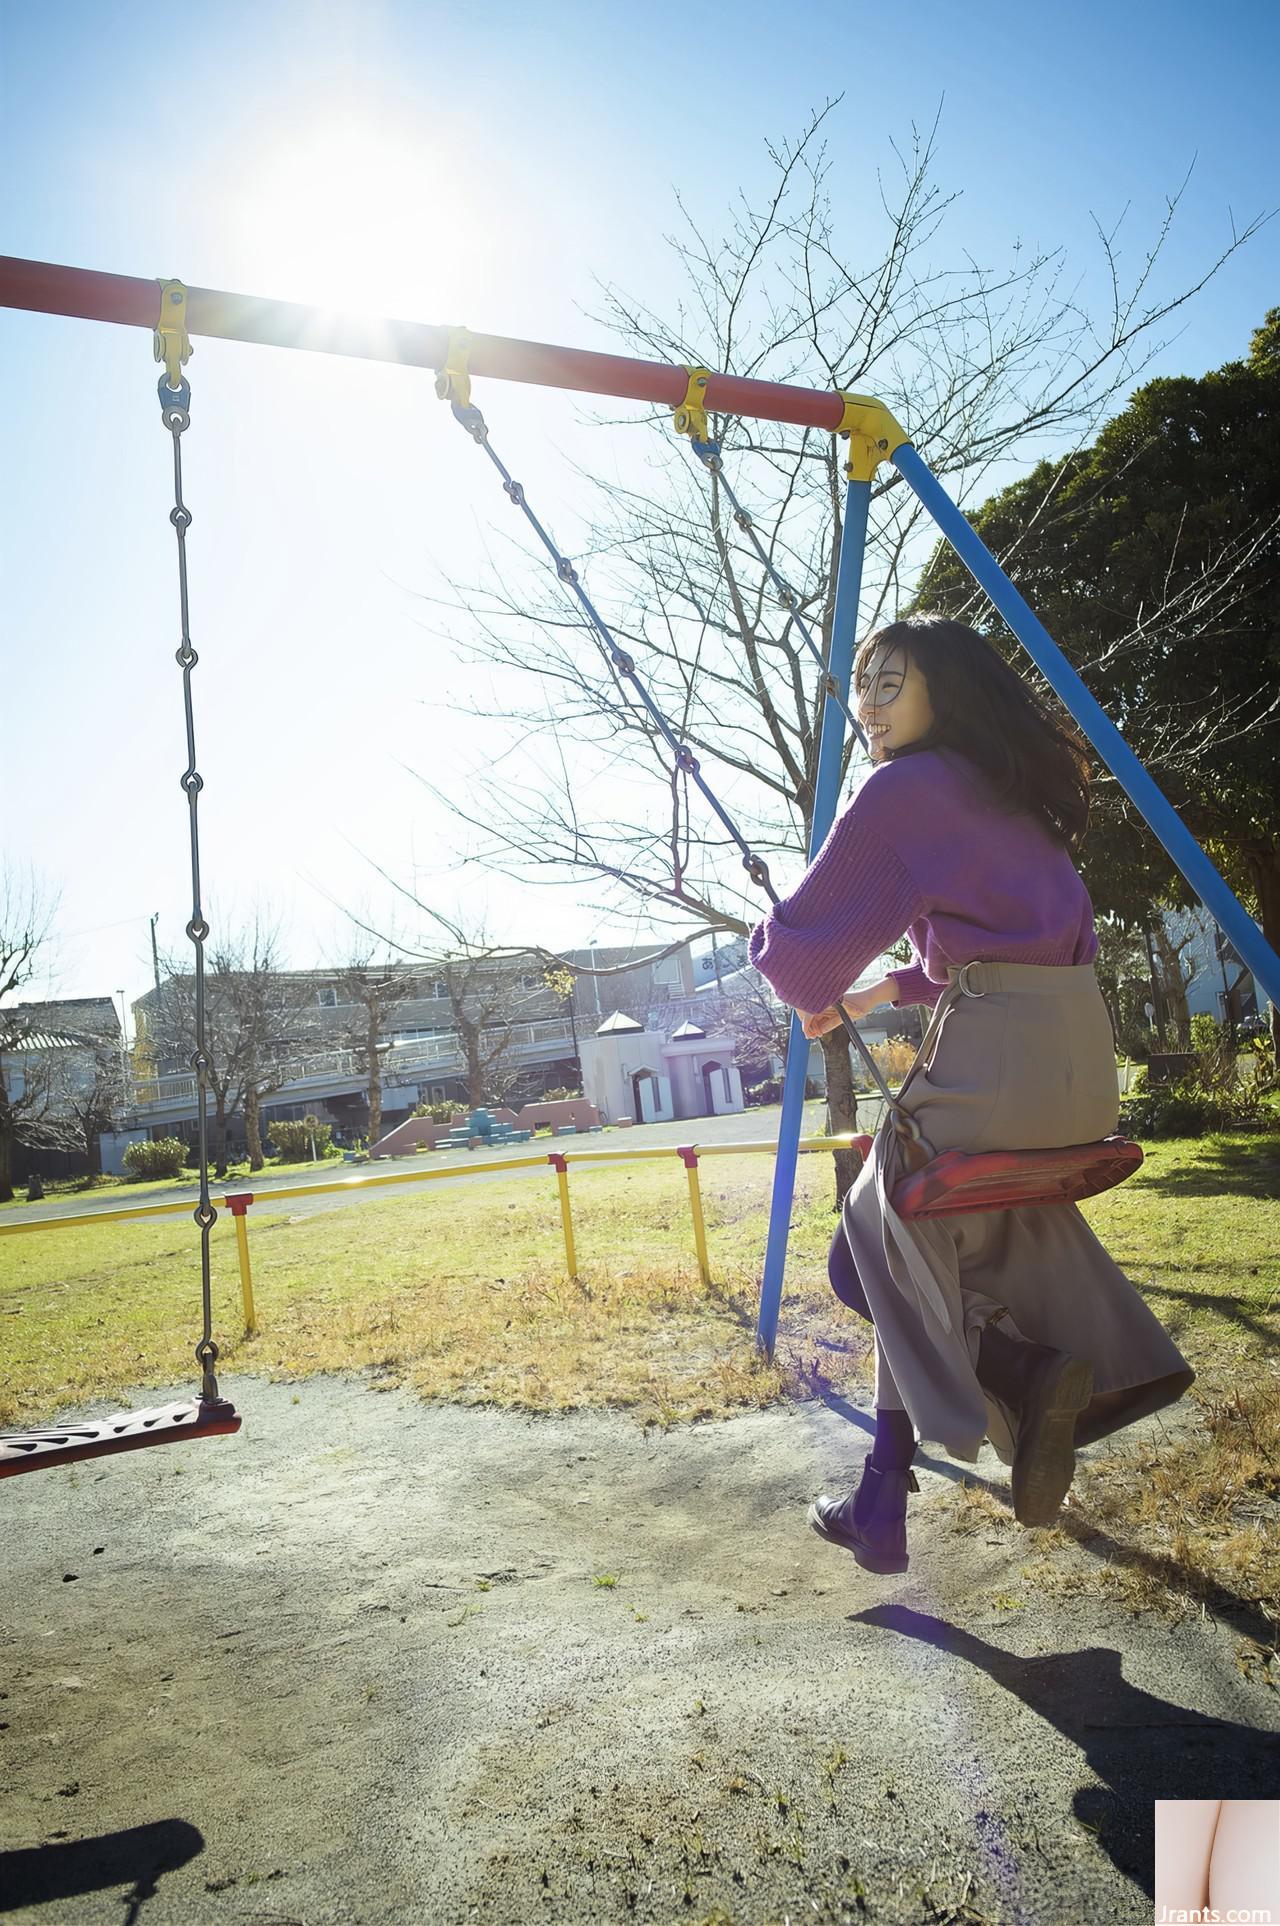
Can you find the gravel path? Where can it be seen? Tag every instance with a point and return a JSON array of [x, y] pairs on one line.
[[354, 1666]]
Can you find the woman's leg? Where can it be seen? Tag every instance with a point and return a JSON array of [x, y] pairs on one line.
[[843, 1275], [895, 1439]]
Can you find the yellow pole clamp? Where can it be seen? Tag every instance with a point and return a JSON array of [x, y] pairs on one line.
[[171, 341], [690, 417], [453, 382], [874, 435]]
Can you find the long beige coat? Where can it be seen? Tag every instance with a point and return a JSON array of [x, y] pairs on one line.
[[1021, 1058]]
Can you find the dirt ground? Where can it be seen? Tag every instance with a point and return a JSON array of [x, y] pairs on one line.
[[354, 1665]]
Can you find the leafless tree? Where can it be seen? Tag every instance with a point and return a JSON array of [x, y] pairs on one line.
[[93, 1104], [373, 989], [28, 1107], [488, 987], [259, 1022], [754, 1018], [985, 364], [1177, 972]]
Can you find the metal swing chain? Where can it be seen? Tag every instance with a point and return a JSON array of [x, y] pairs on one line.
[[618, 659], [708, 453], [175, 404], [453, 386]]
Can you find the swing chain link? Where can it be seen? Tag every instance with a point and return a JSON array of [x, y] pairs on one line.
[[175, 410], [473, 421]]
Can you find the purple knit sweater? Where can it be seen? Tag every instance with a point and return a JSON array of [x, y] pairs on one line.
[[921, 851]]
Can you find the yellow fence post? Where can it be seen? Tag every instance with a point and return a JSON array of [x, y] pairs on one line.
[[690, 1155], [556, 1158], [239, 1206]]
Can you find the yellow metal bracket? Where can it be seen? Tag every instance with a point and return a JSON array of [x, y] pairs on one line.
[[874, 435], [453, 382], [690, 417], [171, 341]]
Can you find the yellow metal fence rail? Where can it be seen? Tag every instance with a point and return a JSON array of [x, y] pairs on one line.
[[238, 1202]]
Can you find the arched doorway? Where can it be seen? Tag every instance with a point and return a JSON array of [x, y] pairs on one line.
[[646, 1103]]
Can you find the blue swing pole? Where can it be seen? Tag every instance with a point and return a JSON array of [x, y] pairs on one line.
[[1230, 914], [844, 625]]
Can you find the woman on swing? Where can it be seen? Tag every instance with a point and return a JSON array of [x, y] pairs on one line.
[[1009, 1325]]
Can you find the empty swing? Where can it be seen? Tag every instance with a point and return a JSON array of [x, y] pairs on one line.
[[940, 1185], [208, 1415]]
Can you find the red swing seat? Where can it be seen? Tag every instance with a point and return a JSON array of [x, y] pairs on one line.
[[189, 1418], [960, 1180]]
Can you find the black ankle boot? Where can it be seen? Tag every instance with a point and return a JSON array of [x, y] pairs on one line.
[[1044, 1391], [872, 1521]]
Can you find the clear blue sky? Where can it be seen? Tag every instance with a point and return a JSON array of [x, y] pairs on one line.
[[477, 165]]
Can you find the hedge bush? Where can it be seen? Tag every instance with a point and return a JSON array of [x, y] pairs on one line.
[[163, 1157], [1187, 1109], [291, 1141]]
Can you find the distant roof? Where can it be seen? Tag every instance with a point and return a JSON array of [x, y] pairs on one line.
[[619, 1025], [32, 1040], [686, 1032], [78, 1016]]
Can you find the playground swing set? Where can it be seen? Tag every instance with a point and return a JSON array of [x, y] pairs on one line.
[[953, 1182]]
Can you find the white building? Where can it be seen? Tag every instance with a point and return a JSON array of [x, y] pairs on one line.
[[635, 1075], [1217, 983]]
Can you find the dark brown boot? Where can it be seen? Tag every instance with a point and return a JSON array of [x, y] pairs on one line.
[[1044, 1390], [872, 1521]]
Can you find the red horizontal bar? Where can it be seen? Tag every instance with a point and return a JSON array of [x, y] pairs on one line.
[[89, 295]]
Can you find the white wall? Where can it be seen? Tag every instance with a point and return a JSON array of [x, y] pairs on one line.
[[1207, 990], [113, 1144]]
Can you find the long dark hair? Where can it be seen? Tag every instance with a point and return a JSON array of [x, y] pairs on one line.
[[1031, 754]]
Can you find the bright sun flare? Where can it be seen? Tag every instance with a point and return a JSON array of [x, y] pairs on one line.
[[348, 214]]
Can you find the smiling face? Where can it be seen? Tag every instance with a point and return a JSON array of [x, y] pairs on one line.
[[893, 700]]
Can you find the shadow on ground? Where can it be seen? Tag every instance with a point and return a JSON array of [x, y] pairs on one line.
[[1140, 1746], [135, 1858], [1223, 1170]]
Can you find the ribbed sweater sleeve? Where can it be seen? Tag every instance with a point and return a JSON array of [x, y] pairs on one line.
[[854, 902], [915, 987]]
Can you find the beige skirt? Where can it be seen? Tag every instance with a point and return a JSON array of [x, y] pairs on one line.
[[1020, 1058]]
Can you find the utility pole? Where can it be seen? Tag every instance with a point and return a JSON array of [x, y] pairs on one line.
[[155, 957], [124, 1060]]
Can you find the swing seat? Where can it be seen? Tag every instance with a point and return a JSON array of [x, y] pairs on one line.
[[960, 1180], [123, 1431]]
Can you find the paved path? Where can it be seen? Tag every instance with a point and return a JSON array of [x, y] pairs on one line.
[[749, 1126]]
